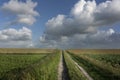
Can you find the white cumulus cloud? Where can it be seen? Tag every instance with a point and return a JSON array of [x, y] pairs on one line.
[[24, 12], [15, 38], [82, 27]]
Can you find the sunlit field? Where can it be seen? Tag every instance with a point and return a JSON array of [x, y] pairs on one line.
[[45, 64], [29, 65], [100, 64]]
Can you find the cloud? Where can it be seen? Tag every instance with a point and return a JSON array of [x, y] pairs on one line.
[[86, 17], [82, 27], [101, 39], [16, 38], [107, 12], [26, 19], [84, 10], [80, 21], [24, 12]]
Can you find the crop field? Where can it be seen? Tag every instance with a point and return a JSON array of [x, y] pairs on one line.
[[100, 64], [53, 64], [29, 66]]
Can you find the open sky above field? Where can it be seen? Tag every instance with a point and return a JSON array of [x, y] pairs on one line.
[[60, 23]]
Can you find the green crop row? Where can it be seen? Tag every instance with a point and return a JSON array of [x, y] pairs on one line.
[[39, 68], [96, 69], [9, 62], [48, 68], [45, 66], [110, 59]]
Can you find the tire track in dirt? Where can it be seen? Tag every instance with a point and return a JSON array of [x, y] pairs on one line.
[[82, 69], [62, 69]]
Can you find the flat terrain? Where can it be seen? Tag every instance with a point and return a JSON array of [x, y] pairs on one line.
[[29, 66], [53, 64], [100, 64]]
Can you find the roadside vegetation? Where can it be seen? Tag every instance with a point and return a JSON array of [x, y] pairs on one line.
[[44, 65], [29, 67], [73, 70], [97, 66]]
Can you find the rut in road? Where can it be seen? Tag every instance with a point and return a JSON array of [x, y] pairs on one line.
[[82, 69], [62, 69]]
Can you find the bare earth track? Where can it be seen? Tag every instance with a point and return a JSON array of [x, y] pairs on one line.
[[82, 70], [62, 69]]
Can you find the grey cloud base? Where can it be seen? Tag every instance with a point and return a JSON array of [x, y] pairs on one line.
[[16, 38], [81, 29]]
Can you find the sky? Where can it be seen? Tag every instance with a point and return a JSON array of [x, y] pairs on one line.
[[62, 24]]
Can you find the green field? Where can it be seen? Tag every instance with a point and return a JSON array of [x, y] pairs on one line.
[[101, 65], [40, 66], [13, 61], [44, 64]]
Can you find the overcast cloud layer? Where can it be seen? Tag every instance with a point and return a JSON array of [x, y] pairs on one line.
[[80, 29]]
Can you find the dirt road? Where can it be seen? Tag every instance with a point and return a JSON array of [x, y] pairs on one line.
[[82, 70], [62, 69]]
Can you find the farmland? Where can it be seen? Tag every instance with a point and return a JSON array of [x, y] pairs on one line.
[[24, 66], [53, 64], [100, 64]]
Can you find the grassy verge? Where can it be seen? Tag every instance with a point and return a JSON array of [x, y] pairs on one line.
[[95, 69], [73, 70], [48, 68]]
